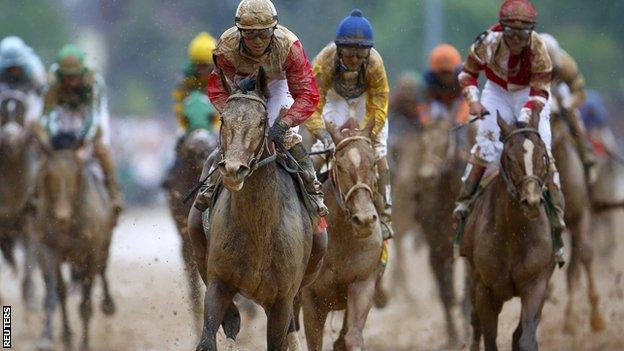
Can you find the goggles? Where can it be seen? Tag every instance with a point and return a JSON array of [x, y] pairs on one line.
[[257, 33], [522, 33], [361, 53]]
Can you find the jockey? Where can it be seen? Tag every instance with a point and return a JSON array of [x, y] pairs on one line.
[[518, 70], [21, 69], [196, 73], [568, 85], [404, 103], [353, 83], [74, 86], [443, 94], [257, 40]]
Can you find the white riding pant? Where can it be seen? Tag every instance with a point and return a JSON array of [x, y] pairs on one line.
[[338, 110], [279, 99], [488, 147]]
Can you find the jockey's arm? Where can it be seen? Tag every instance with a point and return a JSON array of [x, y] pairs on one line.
[[322, 74], [216, 91], [541, 76], [573, 78], [474, 65], [302, 86], [377, 94]]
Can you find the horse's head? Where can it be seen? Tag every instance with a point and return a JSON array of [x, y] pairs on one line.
[[61, 181], [197, 146], [14, 137], [244, 129], [353, 174], [524, 162], [434, 150]]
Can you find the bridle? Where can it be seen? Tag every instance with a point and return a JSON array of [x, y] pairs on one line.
[[344, 198], [255, 162], [511, 185]]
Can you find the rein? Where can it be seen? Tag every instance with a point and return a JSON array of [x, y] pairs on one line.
[[343, 199]]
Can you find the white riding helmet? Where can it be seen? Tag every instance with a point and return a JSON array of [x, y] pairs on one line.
[[256, 14]]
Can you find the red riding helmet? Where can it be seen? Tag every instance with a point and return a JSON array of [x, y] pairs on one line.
[[518, 10]]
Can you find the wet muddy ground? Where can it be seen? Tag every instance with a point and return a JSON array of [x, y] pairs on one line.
[[149, 287]]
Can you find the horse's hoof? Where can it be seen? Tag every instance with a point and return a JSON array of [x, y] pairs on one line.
[[108, 307], [293, 342], [45, 344], [340, 344], [230, 345], [597, 322]]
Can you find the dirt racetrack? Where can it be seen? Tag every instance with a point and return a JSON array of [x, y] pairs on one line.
[[149, 287]]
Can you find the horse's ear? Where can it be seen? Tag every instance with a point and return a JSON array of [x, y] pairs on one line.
[[227, 84], [368, 130], [262, 83], [534, 120], [504, 126], [333, 131]]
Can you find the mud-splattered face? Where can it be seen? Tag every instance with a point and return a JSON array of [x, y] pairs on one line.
[[517, 35], [257, 41], [353, 57]]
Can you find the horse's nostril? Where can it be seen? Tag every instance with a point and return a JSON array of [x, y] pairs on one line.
[[242, 171]]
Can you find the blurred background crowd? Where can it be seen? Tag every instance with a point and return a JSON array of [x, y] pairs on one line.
[[140, 47]]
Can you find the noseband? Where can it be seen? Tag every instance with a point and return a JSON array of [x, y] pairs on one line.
[[254, 162], [513, 187], [343, 198]]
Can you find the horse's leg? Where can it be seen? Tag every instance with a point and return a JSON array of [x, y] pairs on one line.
[[340, 344], [62, 294], [532, 298], [108, 304], [587, 256], [442, 265], [49, 264], [293, 327], [359, 301], [314, 317], [193, 279], [466, 306], [488, 309], [279, 316], [86, 309], [30, 260], [573, 277], [474, 318], [515, 343], [217, 301], [199, 240]]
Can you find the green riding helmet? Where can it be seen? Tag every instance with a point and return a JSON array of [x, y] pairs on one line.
[[70, 60]]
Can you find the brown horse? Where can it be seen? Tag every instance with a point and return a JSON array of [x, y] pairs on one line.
[[76, 222], [508, 239], [191, 154], [438, 168], [259, 230], [18, 168], [578, 221], [348, 275]]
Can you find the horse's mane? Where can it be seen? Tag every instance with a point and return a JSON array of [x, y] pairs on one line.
[[246, 84]]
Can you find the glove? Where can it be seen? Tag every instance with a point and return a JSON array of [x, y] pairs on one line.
[[277, 132], [324, 136]]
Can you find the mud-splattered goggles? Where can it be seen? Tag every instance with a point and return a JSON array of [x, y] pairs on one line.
[[361, 53], [522, 33], [257, 33]]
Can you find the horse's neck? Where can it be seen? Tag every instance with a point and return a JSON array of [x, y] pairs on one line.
[[14, 178], [255, 208]]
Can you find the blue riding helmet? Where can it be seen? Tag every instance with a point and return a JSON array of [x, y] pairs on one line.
[[355, 30]]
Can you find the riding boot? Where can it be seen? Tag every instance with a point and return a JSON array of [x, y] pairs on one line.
[[312, 185], [584, 146], [384, 206], [204, 196], [468, 188], [102, 153]]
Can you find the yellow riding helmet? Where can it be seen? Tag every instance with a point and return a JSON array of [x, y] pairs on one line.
[[201, 48], [256, 14]]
